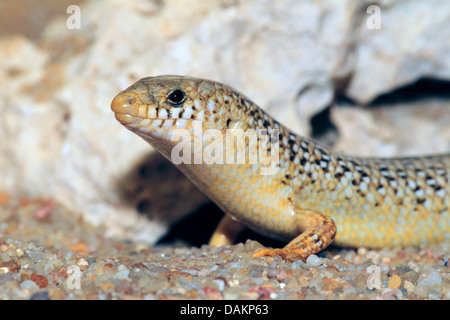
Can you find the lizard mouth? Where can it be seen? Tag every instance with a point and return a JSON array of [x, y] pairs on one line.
[[126, 110]]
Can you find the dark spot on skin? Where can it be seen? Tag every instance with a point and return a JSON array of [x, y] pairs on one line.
[[353, 163]]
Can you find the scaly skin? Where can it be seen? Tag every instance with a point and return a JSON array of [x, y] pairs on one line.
[[316, 195]]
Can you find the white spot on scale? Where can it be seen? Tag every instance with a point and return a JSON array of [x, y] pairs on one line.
[[307, 166], [168, 124], [151, 113], [363, 186], [174, 112], [156, 123], [187, 113], [348, 192], [163, 114], [181, 124], [201, 115], [211, 105], [158, 133]]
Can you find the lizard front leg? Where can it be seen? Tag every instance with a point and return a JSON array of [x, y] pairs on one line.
[[319, 232], [226, 232]]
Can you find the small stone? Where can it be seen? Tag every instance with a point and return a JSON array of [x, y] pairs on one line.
[[297, 264], [4, 197], [410, 276], [313, 261], [42, 295], [330, 284], [429, 278], [41, 281], [29, 285], [394, 282], [122, 273], [82, 262], [220, 284]]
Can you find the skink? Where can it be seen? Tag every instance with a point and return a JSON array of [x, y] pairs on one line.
[[313, 197]]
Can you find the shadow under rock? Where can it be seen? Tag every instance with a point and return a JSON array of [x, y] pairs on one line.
[[155, 188]]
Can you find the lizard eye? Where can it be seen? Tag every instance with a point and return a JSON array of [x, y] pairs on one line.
[[176, 97]]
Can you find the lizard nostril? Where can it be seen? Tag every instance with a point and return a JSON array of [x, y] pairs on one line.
[[125, 107]]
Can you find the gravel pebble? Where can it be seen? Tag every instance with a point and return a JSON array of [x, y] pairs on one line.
[[82, 263]]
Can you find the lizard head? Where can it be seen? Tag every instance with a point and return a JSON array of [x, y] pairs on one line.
[[158, 108], [154, 106]]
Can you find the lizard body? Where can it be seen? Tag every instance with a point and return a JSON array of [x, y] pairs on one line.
[[315, 196]]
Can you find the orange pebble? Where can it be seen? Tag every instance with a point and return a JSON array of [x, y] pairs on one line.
[[4, 197]]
